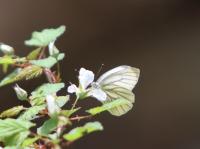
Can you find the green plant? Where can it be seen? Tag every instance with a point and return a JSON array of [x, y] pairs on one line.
[[18, 127]]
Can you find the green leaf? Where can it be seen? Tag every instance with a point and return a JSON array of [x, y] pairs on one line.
[[9, 127], [107, 106], [29, 141], [31, 113], [75, 134], [15, 147], [10, 147], [6, 60], [68, 113], [34, 54], [79, 132], [48, 126], [14, 131], [12, 112], [45, 63], [38, 96], [59, 56], [43, 38], [93, 126], [62, 100], [46, 89], [49, 61], [16, 139], [5, 68], [9, 78], [37, 101], [29, 72], [26, 73]]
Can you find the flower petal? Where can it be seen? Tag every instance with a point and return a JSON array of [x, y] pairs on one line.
[[52, 106], [98, 94], [52, 48], [51, 45], [85, 77], [72, 88]]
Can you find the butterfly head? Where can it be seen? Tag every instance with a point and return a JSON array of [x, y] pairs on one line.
[[95, 85]]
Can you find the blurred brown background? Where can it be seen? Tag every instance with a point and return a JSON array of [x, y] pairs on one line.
[[161, 37]]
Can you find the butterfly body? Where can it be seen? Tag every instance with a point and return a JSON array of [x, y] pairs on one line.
[[95, 85]]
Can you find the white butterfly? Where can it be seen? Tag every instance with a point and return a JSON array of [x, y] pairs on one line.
[[117, 83]]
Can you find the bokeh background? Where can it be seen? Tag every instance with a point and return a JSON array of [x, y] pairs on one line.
[[161, 37]]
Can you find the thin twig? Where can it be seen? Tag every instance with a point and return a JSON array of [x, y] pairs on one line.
[[50, 75], [21, 65], [78, 118], [42, 53], [74, 104]]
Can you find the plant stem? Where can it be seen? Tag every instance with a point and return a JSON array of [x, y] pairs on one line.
[[50, 75], [74, 104], [78, 118], [42, 53]]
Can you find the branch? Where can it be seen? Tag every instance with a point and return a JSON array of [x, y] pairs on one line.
[[50, 75], [78, 118]]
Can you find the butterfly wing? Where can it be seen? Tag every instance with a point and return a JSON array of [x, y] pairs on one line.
[[118, 83]]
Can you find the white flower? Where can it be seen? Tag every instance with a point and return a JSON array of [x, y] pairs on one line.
[[72, 88], [51, 45], [52, 106], [6, 49], [52, 48], [86, 78]]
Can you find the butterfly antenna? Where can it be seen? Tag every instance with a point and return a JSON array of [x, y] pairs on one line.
[[98, 72]]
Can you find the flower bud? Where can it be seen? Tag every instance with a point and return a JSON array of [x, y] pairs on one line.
[[6, 49], [21, 93], [52, 106], [52, 49]]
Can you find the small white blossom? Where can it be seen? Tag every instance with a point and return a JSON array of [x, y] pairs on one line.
[[6, 49], [86, 78], [52, 106], [72, 88], [52, 48], [51, 45]]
